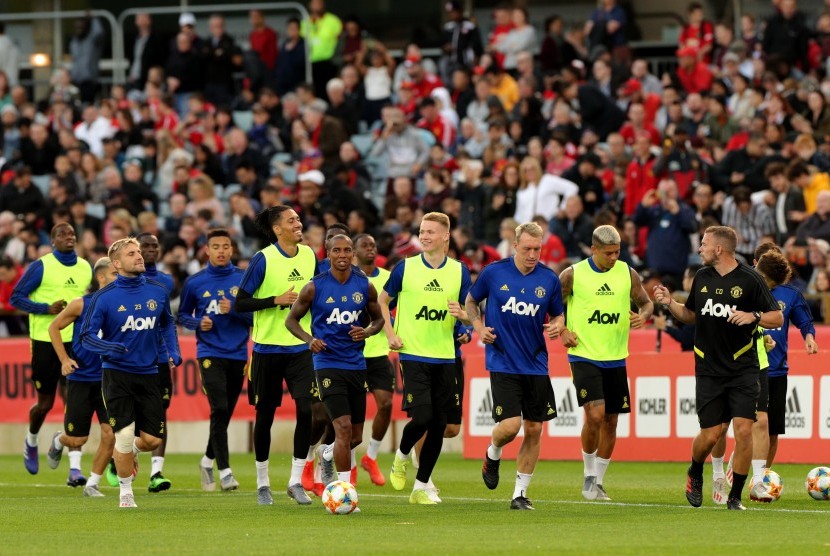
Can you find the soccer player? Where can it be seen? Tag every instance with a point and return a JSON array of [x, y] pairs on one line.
[[221, 348], [520, 294], [131, 315], [269, 287], [339, 300], [727, 302], [150, 252], [43, 292], [429, 289], [598, 292], [82, 370], [771, 264], [380, 376]]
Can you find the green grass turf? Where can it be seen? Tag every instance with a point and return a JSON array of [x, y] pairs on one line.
[[649, 514]]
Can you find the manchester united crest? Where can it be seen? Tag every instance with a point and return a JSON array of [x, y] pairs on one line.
[[152, 305], [234, 290], [357, 297], [736, 291], [540, 292]]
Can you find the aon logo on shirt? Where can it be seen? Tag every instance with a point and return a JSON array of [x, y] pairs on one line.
[[140, 323], [431, 314], [519, 307], [717, 309], [343, 317], [599, 317], [213, 307]]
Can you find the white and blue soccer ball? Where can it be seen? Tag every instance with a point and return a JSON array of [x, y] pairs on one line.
[[340, 498], [818, 483]]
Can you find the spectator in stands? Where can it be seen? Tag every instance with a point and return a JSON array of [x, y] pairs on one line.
[[10, 274], [264, 42], [520, 38], [639, 174], [786, 34], [461, 41], [21, 197], [786, 200], [81, 221], [92, 130], [472, 193], [247, 177], [140, 196], [202, 196], [500, 203], [10, 244], [502, 86], [222, 58], [694, 75], [817, 225], [807, 150], [325, 133], [574, 228], [407, 151], [669, 222], [584, 175], [752, 220], [148, 50], [39, 150], [697, 33], [744, 166], [185, 72], [86, 47], [678, 163], [238, 148], [551, 51], [9, 57], [541, 193], [607, 27], [341, 107], [637, 124], [598, 111], [290, 69], [323, 31]]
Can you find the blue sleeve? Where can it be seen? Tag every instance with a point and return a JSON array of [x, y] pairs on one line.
[[394, 284], [92, 324], [168, 330], [688, 222], [186, 307], [466, 284], [555, 305], [29, 282], [801, 316], [254, 275], [480, 290]]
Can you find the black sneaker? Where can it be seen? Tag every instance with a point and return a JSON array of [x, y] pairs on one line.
[[733, 503], [490, 472], [694, 489], [521, 503]]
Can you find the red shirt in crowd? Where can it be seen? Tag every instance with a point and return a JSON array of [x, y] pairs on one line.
[[629, 133], [553, 250], [443, 130], [264, 43], [425, 86], [698, 79], [639, 178], [6, 289], [698, 37]]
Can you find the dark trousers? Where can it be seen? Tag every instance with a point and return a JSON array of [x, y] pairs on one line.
[[222, 382]]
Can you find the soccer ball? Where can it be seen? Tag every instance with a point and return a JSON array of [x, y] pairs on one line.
[[818, 483], [775, 486], [339, 497]]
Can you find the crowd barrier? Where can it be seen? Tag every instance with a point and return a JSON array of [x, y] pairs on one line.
[[660, 426]]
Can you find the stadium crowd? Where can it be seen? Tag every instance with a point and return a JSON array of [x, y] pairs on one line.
[[561, 124]]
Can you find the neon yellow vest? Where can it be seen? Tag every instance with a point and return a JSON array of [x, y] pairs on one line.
[[59, 282], [598, 312], [322, 36], [763, 358], [281, 273], [423, 321], [377, 345]]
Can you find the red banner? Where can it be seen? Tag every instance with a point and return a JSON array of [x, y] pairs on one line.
[[663, 419], [17, 392]]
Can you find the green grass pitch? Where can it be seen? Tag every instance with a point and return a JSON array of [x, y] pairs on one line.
[[648, 515]]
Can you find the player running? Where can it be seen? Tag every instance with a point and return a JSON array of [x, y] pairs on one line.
[[221, 348], [43, 292], [727, 302], [151, 252], [598, 292], [82, 370], [269, 287], [520, 294], [125, 322], [339, 300], [429, 289], [379, 373]]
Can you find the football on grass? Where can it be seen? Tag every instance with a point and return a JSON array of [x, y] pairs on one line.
[[339, 497]]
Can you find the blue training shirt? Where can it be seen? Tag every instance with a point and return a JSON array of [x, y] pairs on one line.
[[151, 272], [335, 309], [795, 310], [517, 306], [133, 314], [201, 293], [89, 363]]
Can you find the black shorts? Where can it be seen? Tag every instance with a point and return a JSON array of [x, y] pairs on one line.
[[456, 411], [131, 397], [269, 370], [379, 374], [594, 383], [82, 400], [343, 393], [721, 398], [46, 367], [165, 383], [763, 395], [776, 412], [429, 384], [528, 396]]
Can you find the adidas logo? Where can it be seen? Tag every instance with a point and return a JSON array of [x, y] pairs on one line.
[[121, 309], [330, 300], [484, 415], [567, 405], [433, 286], [295, 276], [704, 289], [70, 282], [794, 418], [605, 289], [504, 288], [206, 294]]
